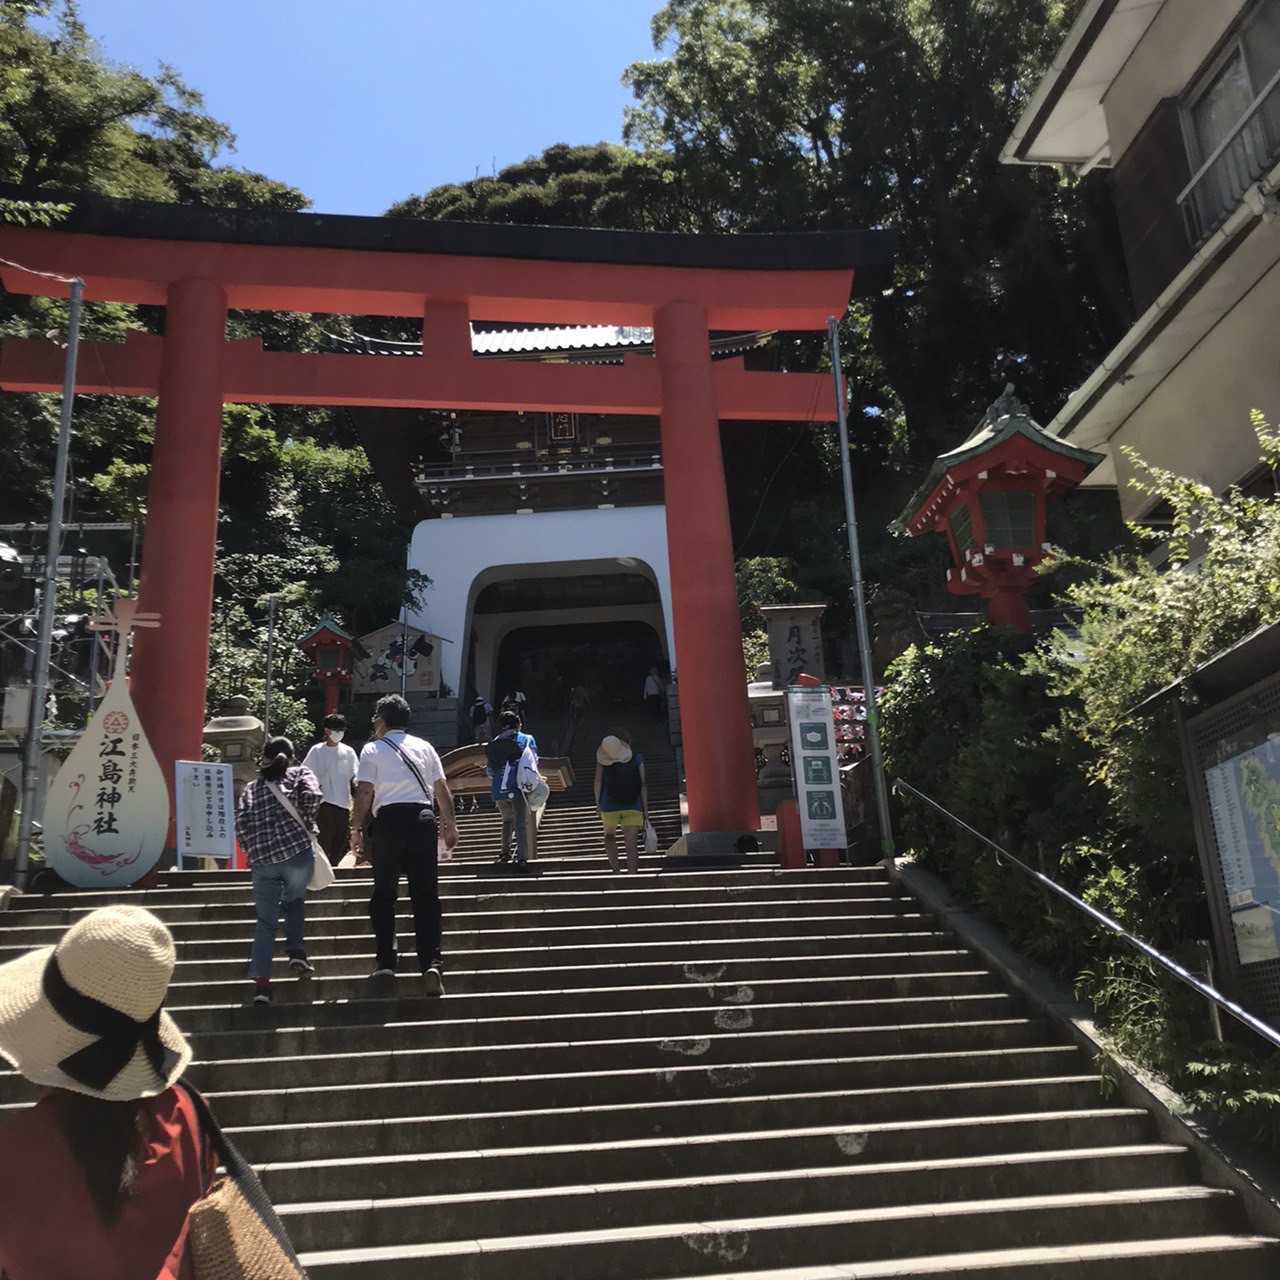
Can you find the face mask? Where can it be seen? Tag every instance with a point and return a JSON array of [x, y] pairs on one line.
[[337, 735]]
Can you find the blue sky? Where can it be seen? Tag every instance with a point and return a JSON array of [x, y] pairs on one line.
[[360, 105]]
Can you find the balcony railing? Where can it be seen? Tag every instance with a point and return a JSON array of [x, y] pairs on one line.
[[1239, 160], [551, 468]]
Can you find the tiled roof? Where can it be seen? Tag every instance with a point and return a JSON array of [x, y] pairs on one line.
[[567, 338], [533, 342]]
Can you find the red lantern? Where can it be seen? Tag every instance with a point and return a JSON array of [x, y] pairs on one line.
[[989, 497], [334, 652]]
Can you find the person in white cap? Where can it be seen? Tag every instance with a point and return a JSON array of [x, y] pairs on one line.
[[97, 1177], [622, 796]]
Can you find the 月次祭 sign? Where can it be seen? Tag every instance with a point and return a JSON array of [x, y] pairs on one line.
[[398, 653], [106, 815]]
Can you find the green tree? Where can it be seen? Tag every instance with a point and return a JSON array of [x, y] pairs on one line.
[[813, 114], [602, 185]]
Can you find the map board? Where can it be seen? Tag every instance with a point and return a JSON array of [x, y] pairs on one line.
[[1244, 803]]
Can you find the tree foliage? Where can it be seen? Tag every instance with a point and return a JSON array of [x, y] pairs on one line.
[[815, 114], [300, 519], [604, 185]]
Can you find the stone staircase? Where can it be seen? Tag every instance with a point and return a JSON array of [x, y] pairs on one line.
[[747, 1072]]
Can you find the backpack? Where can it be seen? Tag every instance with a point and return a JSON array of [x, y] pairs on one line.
[[479, 712], [503, 751], [622, 782]]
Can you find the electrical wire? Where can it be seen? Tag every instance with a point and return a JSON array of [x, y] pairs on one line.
[[46, 275]]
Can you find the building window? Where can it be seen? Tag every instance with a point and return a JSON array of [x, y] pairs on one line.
[[1010, 518], [1231, 119], [962, 528]]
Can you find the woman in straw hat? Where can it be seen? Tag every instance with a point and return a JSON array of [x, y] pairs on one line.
[[275, 819], [97, 1177], [622, 796]]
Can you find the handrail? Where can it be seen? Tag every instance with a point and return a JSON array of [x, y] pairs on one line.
[[1188, 979]]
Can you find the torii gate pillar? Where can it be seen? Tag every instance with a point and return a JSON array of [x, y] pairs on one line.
[[171, 664], [715, 720]]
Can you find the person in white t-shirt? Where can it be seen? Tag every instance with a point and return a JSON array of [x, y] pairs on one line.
[[335, 765], [401, 779]]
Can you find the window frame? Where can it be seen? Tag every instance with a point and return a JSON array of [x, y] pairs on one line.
[[1233, 44]]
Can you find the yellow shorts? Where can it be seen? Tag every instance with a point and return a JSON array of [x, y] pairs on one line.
[[622, 818]]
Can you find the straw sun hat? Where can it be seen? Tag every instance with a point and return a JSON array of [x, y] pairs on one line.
[[86, 1015], [613, 751]]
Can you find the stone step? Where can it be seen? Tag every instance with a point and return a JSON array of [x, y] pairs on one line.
[[512, 935], [554, 885], [719, 1049], [698, 1246], [706, 1154], [1197, 1258], [504, 968], [200, 887], [510, 911], [308, 1122], [362, 1221], [443, 1024], [493, 995]]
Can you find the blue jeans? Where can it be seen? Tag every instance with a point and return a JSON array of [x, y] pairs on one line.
[[279, 887]]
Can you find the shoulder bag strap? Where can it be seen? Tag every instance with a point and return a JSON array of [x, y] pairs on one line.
[[278, 791], [413, 768], [241, 1173]]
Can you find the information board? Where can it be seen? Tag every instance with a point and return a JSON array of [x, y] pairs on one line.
[[206, 811], [1244, 800], [814, 759]]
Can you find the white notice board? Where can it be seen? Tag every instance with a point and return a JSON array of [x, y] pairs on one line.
[[815, 760], [205, 810]]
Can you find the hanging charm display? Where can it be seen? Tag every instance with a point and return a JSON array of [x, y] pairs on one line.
[[107, 812]]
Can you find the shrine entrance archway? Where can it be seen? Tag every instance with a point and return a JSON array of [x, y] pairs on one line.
[[199, 263]]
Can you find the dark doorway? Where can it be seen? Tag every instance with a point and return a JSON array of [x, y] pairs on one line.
[[609, 658]]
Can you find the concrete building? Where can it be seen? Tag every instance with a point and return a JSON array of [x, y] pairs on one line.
[[1181, 100]]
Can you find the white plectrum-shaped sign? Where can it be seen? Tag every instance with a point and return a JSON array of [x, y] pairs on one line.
[[107, 812]]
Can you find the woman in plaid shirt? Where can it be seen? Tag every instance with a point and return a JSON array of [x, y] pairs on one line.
[[278, 847]]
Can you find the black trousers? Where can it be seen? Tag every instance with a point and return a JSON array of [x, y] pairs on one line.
[[404, 844], [333, 826]]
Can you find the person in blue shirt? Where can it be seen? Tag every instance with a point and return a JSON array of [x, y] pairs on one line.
[[502, 755]]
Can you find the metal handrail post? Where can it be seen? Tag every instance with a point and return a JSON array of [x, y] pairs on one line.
[[860, 609], [31, 748]]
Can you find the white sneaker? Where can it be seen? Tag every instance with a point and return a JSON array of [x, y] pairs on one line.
[[383, 973], [434, 981]]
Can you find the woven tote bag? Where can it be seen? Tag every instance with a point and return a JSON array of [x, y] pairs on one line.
[[234, 1233]]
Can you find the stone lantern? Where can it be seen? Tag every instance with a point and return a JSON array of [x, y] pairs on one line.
[[334, 651], [989, 497], [238, 736]]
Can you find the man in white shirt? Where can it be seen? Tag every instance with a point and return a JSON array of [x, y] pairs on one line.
[[335, 765], [400, 778]]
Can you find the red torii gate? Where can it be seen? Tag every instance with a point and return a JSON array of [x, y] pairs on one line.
[[199, 263]]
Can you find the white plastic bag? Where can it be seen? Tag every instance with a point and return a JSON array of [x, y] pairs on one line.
[[650, 838], [527, 776], [536, 796]]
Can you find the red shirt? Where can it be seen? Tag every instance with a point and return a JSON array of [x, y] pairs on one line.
[[49, 1227]]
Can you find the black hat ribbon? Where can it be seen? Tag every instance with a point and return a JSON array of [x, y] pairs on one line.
[[118, 1036]]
